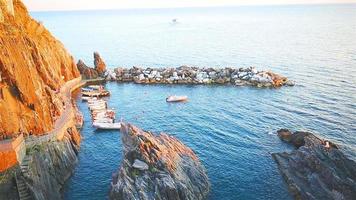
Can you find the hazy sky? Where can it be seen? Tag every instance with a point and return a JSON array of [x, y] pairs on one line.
[[35, 5]]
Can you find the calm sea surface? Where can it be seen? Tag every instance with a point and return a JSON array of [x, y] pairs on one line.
[[230, 128]]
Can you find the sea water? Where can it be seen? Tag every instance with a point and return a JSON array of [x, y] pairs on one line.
[[231, 129]]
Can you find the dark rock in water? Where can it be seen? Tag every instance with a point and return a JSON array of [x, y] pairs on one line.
[[157, 167], [86, 72], [99, 64], [317, 169]]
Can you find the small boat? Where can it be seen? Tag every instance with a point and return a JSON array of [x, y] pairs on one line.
[[110, 115], [102, 107], [96, 87], [107, 126], [86, 98], [98, 103], [96, 93], [103, 120], [176, 98], [93, 112], [87, 89]]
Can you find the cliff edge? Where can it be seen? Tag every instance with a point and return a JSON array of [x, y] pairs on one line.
[[33, 66], [157, 167]]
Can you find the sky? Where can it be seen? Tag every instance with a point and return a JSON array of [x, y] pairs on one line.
[[47, 5]]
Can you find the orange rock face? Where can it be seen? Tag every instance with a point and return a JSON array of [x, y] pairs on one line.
[[33, 66], [99, 63]]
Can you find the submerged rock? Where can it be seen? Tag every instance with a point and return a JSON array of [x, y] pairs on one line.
[[317, 169], [157, 167]]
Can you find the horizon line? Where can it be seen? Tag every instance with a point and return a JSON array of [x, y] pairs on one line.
[[182, 7]]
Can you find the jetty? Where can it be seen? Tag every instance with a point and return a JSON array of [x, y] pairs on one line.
[[249, 76]]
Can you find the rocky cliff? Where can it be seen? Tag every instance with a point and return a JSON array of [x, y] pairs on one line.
[[33, 66], [157, 167], [49, 165], [317, 169]]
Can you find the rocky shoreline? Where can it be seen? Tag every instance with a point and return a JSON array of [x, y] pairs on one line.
[[317, 169], [157, 167]]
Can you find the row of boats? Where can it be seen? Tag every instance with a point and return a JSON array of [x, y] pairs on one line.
[[102, 117]]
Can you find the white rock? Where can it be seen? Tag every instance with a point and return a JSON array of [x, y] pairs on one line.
[[242, 74], [140, 165], [175, 74], [141, 77], [254, 70]]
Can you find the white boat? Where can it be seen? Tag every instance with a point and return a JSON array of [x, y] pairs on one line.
[[107, 126], [95, 87], [96, 93], [176, 98], [93, 112], [97, 104], [86, 98], [103, 120], [98, 107], [103, 115]]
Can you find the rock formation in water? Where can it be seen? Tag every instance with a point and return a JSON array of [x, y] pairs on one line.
[[87, 72], [33, 66], [317, 169], [195, 75], [157, 167], [99, 64]]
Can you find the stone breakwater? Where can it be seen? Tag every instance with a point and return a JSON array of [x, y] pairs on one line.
[[184, 75], [157, 167], [194, 75], [317, 169]]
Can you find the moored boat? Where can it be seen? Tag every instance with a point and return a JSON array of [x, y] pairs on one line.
[[176, 98], [103, 120], [96, 93], [107, 126]]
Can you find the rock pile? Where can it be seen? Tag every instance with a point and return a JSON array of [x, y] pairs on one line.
[[157, 167], [195, 75], [317, 169]]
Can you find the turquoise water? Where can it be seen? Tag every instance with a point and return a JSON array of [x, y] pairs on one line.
[[231, 129]]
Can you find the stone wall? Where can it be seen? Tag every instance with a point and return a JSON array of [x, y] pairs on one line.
[[11, 152]]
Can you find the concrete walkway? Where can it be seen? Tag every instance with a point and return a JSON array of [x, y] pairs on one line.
[[66, 119]]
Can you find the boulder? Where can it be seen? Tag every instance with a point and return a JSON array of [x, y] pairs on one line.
[[157, 167], [99, 64], [138, 164], [316, 169]]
